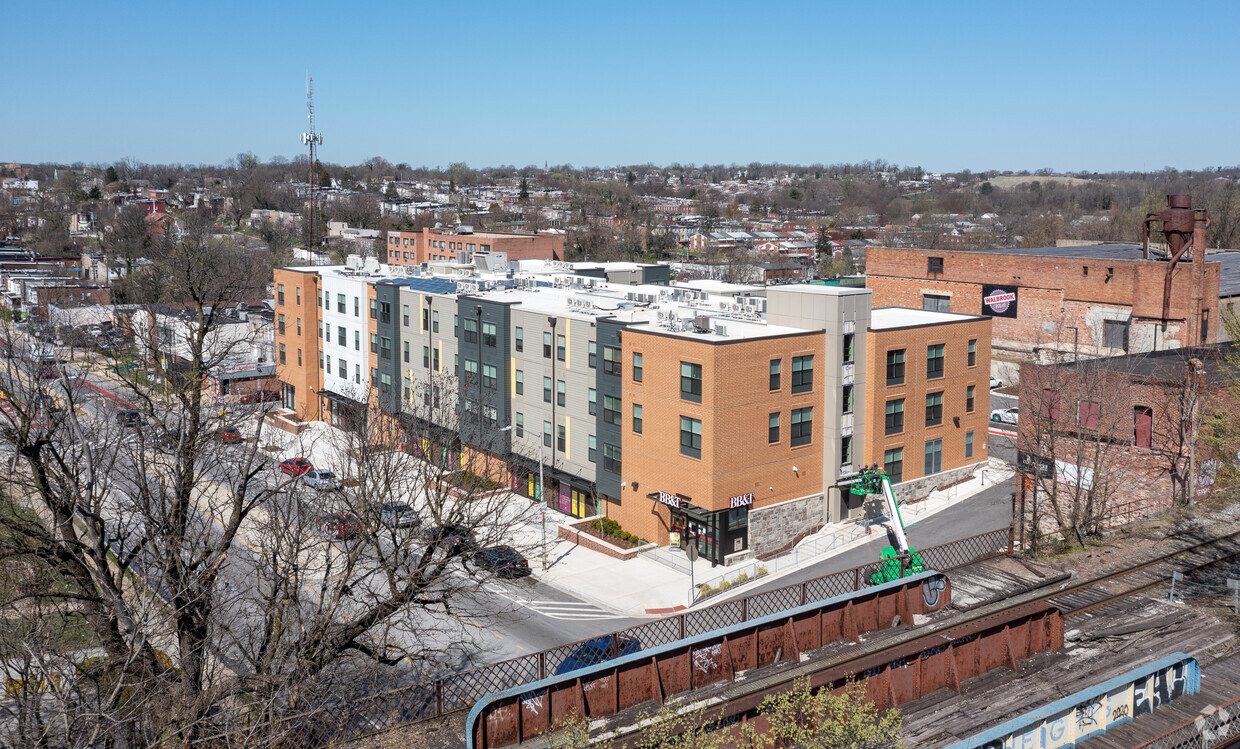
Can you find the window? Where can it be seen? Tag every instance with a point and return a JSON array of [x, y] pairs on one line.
[[519, 339], [299, 357], [385, 312], [968, 398], [691, 382], [611, 409], [357, 376], [488, 334], [280, 294], [357, 340], [341, 336], [934, 457], [775, 367], [802, 374], [895, 367], [846, 398], [593, 359], [893, 464], [850, 345], [637, 367], [934, 361], [282, 353], [895, 416], [329, 364], [546, 345], [934, 409], [280, 324], [374, 343], [802, 431], [435, 360], [488, 376], [546, 434], [637, 418], [426, 320], [611, 458], [561, 348], [972, 352], [936, 302], [471, 370], [320, 360], [1087, 414], [1115, 334], [593, 453], [560, 392], [405, 346], [426, 357], [406, 393], [561, 437], [385, 347], [298, 290], [343, 368], [327, 301], [520, 382], [385, 383], [934, 265], [846, 450], [772, 428], [968, 444], [471, 330], [546, 390], [404, 314], [1050, 405], [520, 427], [611, 360], [593, 401], [690, 437], [435, 321], [299, 326]]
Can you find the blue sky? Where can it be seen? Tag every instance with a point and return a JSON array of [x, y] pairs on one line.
[[946, 85]]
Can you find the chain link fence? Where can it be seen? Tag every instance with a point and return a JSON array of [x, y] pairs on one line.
[[1218, 728]]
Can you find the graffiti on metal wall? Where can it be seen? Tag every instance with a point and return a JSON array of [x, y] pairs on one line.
[[1092, 711]]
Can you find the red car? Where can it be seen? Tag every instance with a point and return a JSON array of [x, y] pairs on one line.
[[229, 436], [262, 396], [339, 526], [296, 466]]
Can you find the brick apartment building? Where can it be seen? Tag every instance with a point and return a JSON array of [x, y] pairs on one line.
[[1122, 427], [723, 413], [459, 245], [1104, 299], [929, 408]]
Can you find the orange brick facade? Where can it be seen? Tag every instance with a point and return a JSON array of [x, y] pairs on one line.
[[1061, 299], [956, 420], [297, 298], [429, 245], [737, 458]]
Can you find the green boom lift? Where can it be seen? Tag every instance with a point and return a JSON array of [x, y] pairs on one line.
[[900, 560]]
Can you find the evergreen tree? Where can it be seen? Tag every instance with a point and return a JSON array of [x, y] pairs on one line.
[[524, 195]]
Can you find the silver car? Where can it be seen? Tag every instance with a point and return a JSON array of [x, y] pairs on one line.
[[398, 515], [321, 480]]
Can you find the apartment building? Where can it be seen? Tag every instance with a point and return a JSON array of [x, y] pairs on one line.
[[458, 245], [928, 401], [718, 414]]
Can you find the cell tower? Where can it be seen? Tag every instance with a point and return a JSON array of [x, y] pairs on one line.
[[311, 139]]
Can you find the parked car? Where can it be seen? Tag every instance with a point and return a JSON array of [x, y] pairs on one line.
[[504, 561], [296, 466], [398, 515], [129, 418], [995, 383], [339, 526], [456, 538], [598, 650], [229, 435], [1005, 415], [320, 479], [262, 396]]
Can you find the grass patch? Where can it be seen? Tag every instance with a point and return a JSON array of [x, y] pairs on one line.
[[54, 633], [470, 481]]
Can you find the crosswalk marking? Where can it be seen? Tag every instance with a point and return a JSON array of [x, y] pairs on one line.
[[562, 610]]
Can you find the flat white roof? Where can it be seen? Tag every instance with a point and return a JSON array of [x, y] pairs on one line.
[[887, 318]]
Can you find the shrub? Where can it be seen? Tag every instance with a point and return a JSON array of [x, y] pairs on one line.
[[596, 525]]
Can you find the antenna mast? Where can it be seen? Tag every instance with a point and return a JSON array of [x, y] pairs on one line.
[[311, 139]]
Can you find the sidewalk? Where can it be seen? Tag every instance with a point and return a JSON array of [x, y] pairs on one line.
[[643, 586]]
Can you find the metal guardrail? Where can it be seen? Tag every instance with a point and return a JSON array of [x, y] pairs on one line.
[[1218, 727], [460, 690]]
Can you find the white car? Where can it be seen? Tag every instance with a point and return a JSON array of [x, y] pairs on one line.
[[1005, 415], [995, 383], [321, 480]]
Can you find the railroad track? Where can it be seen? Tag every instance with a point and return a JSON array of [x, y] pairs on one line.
[[1087, 595]]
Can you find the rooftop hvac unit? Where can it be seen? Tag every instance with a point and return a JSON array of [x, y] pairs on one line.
[[353, 262], [371, 265], [721, 330], [701, 323]]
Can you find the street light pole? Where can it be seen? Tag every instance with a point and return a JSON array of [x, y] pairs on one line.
[[542, 504]]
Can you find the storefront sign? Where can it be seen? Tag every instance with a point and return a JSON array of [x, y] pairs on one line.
[[999, 301], [671, 500], [743, 500]]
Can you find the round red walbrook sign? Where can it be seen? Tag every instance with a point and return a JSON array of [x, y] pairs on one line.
[[999, 300]]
